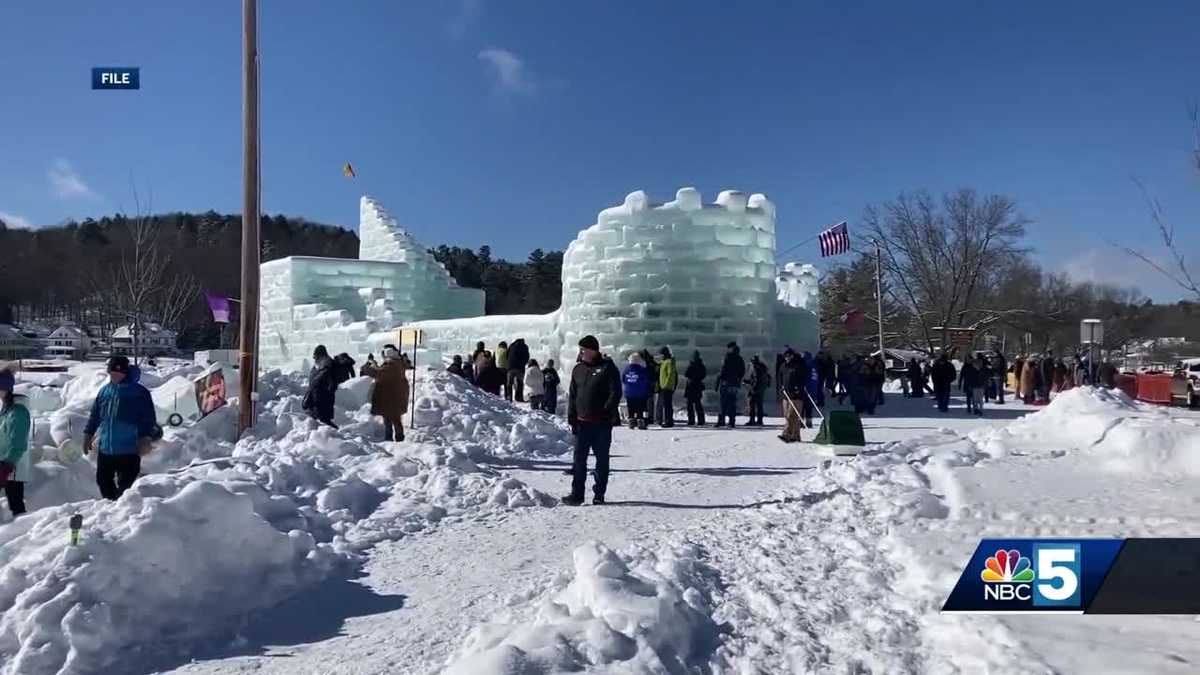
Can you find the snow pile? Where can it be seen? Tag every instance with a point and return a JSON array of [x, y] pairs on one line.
[[215, 529], [653, 618], [166, 564], [451, 411], [38, 398], [1120, 433], [817, 579]]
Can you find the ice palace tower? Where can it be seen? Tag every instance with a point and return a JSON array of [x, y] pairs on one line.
[[684, 274]]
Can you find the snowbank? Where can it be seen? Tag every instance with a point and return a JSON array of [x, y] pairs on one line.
[[1121, 434], [654, 618], [215, 529], [165, 565]]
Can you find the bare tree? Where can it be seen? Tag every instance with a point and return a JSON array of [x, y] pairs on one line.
[[1177, 270], [940, 259], [146, 287]]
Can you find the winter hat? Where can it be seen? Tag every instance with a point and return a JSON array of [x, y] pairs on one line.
[[636, 359], [118, 364], [8, 381], [590, 342], [390, 353], [665, 352]]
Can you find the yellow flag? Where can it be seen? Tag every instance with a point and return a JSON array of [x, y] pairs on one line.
[[348, 171]]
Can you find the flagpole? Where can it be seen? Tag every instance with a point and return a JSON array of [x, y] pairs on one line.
[[879, 296], [247, 363]]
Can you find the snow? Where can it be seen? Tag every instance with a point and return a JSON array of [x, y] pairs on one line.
[[719, 551], [215, 530]]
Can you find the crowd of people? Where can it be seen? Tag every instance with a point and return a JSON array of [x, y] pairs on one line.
[[647, 383]]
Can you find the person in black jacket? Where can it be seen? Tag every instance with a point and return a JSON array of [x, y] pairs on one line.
[[916, 379], [970, 380], [322, 387], [592, 406], [793, 378], [693, 391], [550, 381], [758, 382], [943, 375], [999, 374], [729, 384], [518, 358], [1047, 373]]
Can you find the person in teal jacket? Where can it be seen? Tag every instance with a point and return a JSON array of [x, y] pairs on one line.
[[14, 444], [123, 415]]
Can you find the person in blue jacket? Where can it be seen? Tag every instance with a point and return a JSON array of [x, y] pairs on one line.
[[14, 444], [637, 386], [123, 414]]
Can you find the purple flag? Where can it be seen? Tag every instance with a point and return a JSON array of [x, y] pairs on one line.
[[219, 305]]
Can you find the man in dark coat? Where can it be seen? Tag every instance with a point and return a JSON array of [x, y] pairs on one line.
[[322, 387], [693, 391], [916, 379], [1047, 375], [1000, 373], [729, 384], [793, 378], [592, 410], [518, 358], [758, 382], [943, 375]]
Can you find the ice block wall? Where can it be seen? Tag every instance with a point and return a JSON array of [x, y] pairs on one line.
[[798, 310], [682, 274], [352, 305]]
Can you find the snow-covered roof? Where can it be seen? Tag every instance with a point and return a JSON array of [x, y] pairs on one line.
[[148, 330], [67, 331]]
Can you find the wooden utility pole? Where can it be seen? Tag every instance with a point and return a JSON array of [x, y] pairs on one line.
[[879, 296], [248, 350]]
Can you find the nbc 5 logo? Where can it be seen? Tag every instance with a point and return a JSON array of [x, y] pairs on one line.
[[1050, 579]]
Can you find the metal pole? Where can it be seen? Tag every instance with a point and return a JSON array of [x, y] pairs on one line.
[[247, 363], [879, 294], [412, 418]]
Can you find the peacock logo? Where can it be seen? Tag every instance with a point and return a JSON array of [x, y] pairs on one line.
[[1008, 567]]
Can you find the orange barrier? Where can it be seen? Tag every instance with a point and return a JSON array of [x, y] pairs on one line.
[[1128, 383], [1154, 388]]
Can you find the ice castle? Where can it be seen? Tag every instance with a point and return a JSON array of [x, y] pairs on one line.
[[684, 274]]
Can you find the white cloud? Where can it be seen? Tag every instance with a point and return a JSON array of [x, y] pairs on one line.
[[1111, 265], [15, 222], [508, 70], [66, 183], [467, 15]]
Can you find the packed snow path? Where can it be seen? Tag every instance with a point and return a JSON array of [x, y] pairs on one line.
[[424, 593]]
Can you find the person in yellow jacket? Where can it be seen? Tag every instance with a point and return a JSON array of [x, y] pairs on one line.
[[668, 380], [501, 355]]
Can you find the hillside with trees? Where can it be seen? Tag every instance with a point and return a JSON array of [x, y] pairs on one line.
[[101, 272]]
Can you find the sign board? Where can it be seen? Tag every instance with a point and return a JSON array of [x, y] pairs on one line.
[[210, 392], [957, 337], [410, 337], [1091, 331]]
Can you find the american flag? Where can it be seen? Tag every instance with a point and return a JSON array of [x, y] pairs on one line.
[[835, 240]]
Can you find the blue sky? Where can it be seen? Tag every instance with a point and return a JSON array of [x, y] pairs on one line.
[[512, 123]]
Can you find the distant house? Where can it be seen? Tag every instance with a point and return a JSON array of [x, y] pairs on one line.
[[69, 342], [15, 345], [38, 336], [153, 340]]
